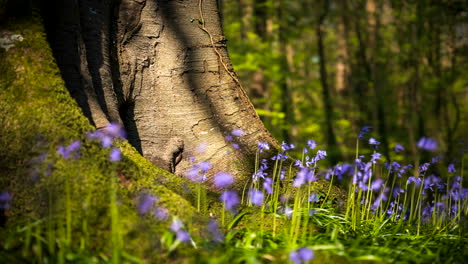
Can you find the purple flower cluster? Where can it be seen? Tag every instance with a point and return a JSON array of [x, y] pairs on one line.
[[374, 143], [70, 151], [261, 172], [263, 146], [415, 180], [107, 135], [304, 175], [223, 179], [285, 146], [301, 255], [214, 231], [321, 154], [267, 185], [311, 144], [341, 169], [427, 144], [178, 230], [5, 200], [145, 203], [115, 155], [399, 148], [256, 197], [197, 172], [451, 168], [230, 200], [364, 131], [313, 198], [363, 174], [234, 133]]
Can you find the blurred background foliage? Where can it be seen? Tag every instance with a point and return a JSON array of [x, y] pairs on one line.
[[323, 69]]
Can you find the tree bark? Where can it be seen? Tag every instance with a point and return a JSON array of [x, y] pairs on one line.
[[163, 67]]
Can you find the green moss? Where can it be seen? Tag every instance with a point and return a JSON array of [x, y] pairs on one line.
[[37, 115]]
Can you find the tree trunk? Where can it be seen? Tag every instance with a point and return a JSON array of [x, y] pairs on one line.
[[164, 66], [327, 100]]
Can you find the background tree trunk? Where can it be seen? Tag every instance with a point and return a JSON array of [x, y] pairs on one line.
[[164, 66]]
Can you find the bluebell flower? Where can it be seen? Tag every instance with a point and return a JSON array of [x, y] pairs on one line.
[[115, 155], [256, 197], [377, 184], [263, 146], [237, 132], [198, 171], [194, 174], [456, 182], [264, 164], [115, 130], [282, 173], [301, 255], [404, 169], [288, 211], [258, 174], [183, 236], [311, 144], [267, 185], [280, 157], [309, 161], [176, 225], [451, 168], [432, 181], [397, 191], [214, 231], [328, 174], [223, 179], [424, 167], [298, 163], [313, 198], [378, 201], [108, 134], [161, 213], [228, 138], [145, 203], [321, 154], [106, 141], [261, 171], [72, 149], [39, 159], [364, 130], [416, 180], [376, 156], [312, 212], [436, 159], [235, 145], [394, 205], [230, 200], [393, 166], [399, 148], [341, 169], [5, 200], [373, 142], [204, 166], [427, 144], [285, 146], [301, 177]]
